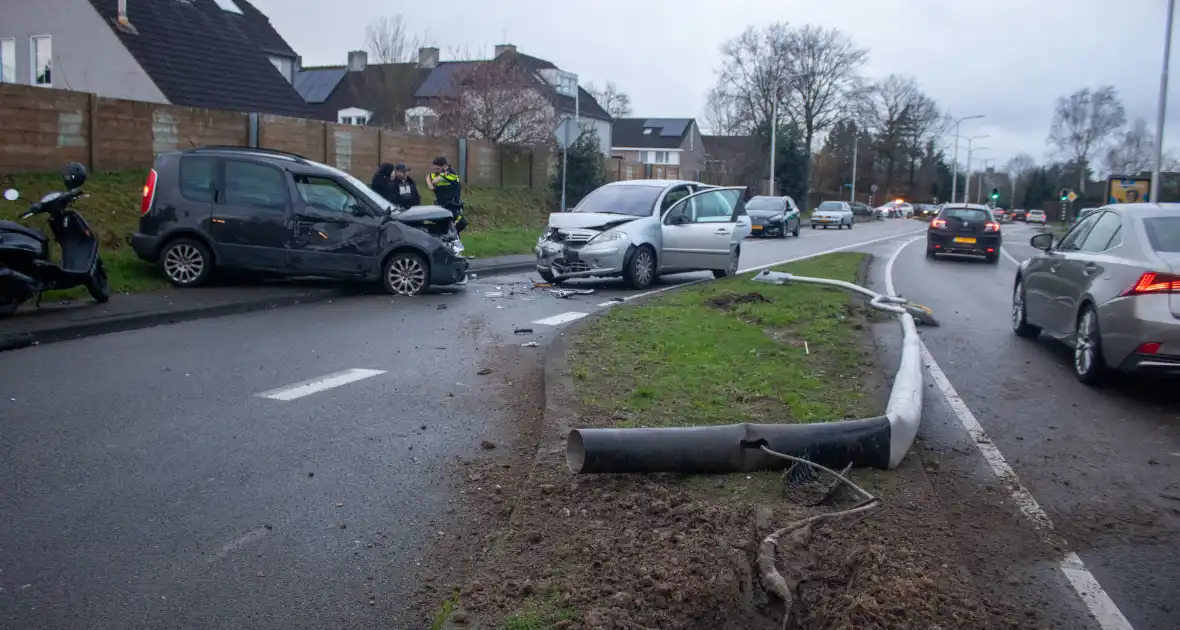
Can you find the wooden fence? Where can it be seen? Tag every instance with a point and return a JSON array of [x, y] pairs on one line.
[[41, 129]]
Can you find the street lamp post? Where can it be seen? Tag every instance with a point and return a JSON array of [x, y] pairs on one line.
[[778, 95], [955, 174], [1161, 108], [970, 152], [967, 192], [855, 146]]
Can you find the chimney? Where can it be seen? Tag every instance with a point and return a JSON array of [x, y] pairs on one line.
[[503, 48], [357, 60], [298, 63], [427, 57]]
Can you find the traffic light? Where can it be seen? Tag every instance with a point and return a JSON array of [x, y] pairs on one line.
[[1064, 195], [995, 193]]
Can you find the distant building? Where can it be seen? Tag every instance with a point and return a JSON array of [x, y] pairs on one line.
[[663, 141]]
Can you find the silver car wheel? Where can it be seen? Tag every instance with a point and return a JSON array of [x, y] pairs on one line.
[[184, 264], [406, 275], [1083, 354], [643, 266]]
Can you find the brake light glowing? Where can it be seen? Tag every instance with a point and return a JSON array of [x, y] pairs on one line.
[[1151, 347], [938, 224], [991, 227], [1153, 282], [149, 193]]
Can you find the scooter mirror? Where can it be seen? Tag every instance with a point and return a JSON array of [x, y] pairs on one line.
[[11, 194]]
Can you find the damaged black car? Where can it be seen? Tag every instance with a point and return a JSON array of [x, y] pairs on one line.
[[258, 210]]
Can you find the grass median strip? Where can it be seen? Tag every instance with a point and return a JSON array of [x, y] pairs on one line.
[[730, 351]]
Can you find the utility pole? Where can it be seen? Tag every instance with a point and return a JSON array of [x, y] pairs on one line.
[[970, 151], [1161, 109], [569, 129], [855, 146], [773, 137], [955, 172]]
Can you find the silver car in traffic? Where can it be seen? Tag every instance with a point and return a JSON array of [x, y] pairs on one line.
[[641, 229], [1110, 288], [836, 214]]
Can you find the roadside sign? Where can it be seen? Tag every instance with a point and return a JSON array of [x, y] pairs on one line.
[[1125, 189], [873, 188], [567, 133], [1073, 196]]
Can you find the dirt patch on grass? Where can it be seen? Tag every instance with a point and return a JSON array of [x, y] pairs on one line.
[[678, 552]]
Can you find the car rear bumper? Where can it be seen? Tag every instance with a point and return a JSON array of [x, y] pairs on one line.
[[985, 244], [145, 247], [564, 261], [1129, 323]]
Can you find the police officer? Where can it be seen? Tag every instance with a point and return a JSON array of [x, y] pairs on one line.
[[444, 181]]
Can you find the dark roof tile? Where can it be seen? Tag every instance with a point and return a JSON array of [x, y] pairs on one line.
[[201, 55], [632, 132]]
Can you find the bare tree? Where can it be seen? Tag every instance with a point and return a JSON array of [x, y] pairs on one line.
[[499, 101], [754, 73], [1018, 169], [896, 113], [721, 115], [616, 102], [1133, 150], [389, 75], [822, 67], [1082, 121]]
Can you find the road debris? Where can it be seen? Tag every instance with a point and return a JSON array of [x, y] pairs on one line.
[[567, 293], [487, 445], [494, 294], [531, 344], [484, 372], [442, 307], [523, 331]]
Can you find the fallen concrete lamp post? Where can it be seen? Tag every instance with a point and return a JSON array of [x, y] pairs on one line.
[[879, 442]]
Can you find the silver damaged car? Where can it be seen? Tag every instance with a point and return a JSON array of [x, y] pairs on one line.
[[641, 229]]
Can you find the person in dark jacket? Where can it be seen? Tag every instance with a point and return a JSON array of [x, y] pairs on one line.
[[382, 184], [404, 189]]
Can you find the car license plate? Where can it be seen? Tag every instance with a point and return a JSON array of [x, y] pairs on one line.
[[756, 228], [964, 239]]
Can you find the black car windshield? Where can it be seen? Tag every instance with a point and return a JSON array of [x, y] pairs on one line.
[[830, 206], [369, 193], [636, 201], [1164, 233], [966, 214], [766, 203]]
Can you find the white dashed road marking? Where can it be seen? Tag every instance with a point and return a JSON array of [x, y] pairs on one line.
[[316, 385], [560, 318], [1100, 604]]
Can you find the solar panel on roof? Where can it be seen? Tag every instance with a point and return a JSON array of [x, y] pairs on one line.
[[315, 86], [669, 127]]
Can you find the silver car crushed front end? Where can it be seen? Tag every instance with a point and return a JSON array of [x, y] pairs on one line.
[[568, 253]]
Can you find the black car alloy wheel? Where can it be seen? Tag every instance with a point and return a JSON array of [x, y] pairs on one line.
[[405, 274]]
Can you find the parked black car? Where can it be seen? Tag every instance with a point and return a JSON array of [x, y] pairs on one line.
[[279, 213], [773, 216]]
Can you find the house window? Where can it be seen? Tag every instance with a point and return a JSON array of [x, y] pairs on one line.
[[229, 5], [647, 132], [41, 58], [354, 116], [285, 66], [7, 61]]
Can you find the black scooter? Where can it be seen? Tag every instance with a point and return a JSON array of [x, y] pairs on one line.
[[26, 269]]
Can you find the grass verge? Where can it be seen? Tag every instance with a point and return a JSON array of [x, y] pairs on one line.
[[502, 221], [730, 351]]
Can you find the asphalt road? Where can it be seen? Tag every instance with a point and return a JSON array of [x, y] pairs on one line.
[[1102, 463], [280, 469]]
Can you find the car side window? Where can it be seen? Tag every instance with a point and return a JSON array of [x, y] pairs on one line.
[[715, 206], [1074, 238], [255, 185], [1105, 228], [325, 193], [791, 204], [673, 196], [198, 178]]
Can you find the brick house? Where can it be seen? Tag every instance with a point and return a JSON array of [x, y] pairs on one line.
[[661, 141]]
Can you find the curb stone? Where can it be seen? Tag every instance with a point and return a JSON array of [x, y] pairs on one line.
[[135, 321]]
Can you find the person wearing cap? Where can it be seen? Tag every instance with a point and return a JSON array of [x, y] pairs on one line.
[[444, 181], [405, 190]]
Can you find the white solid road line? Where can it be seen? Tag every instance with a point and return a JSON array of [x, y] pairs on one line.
[[1105, 612], [315, 385], [560, 318]]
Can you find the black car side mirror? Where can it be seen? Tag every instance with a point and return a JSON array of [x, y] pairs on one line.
[[1042, 241]]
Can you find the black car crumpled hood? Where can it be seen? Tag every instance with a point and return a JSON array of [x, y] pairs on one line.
[[422, 214]]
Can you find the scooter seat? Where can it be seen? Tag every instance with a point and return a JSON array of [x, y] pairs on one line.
[[12, 226]]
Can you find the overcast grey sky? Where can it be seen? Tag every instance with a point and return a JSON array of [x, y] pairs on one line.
[[1007, 59]]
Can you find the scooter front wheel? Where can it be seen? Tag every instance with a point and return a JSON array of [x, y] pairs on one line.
[[9, 304], [98, 285]]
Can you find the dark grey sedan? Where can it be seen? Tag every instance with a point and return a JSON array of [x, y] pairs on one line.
[[773, 216], [1110, 288]]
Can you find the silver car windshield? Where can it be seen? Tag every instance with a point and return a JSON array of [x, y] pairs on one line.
[[830, 206], [636, 201]]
